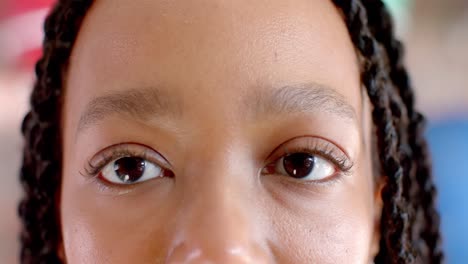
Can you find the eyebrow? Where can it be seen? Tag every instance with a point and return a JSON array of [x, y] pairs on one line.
[[138, 103], [147, 103], [300, 98]]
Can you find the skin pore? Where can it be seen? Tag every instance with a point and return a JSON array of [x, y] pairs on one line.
[[213, 94]]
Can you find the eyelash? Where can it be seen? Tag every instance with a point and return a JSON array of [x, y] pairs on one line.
[[317, 147], [112, 153], [312, 146]]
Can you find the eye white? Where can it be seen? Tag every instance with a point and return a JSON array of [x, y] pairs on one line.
[[150, 171], [321, 169]]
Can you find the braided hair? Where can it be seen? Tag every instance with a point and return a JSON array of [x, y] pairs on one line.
[[409, 224]]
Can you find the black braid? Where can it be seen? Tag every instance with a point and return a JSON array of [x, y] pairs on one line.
[[424, 196], [41, 168], [395, 223], [409, 224], [418, 187]]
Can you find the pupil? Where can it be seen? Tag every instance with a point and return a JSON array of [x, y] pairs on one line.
[[129, 169], [299, 165]]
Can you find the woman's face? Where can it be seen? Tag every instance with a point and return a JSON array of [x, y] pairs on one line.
[[216, 132]]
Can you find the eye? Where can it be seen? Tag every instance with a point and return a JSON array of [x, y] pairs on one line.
[[130, 170], [304, 166]]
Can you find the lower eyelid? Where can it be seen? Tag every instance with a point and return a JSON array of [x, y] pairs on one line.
[[109, 188], [296, 187]]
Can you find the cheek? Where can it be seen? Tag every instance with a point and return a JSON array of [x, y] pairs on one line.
[[334, 225], [112, 229], [324, 234]]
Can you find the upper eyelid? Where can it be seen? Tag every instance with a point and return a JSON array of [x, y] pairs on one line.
[[310, 137], [318, 139], [116, 151], [325, 143]]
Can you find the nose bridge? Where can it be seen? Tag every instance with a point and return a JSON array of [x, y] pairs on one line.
[[217, 216]]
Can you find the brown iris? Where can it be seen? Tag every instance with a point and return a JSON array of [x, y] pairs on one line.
[[129, 169], [299, 165]]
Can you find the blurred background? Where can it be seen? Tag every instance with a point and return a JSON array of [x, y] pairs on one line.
[[436, 36]]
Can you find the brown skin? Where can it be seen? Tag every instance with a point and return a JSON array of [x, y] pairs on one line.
[[211, 65]]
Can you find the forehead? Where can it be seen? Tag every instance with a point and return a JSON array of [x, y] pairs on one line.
[[200, 49]]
